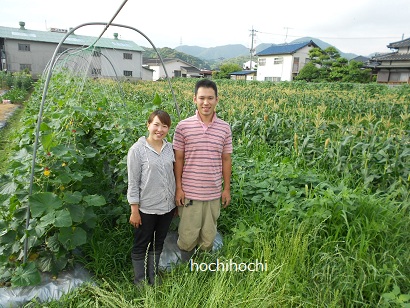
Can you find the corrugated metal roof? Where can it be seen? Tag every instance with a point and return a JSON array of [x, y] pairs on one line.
[[403, 43], [240, 73], [73, 39], [284, 48]]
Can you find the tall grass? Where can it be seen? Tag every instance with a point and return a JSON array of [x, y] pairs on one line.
[[326, 265]]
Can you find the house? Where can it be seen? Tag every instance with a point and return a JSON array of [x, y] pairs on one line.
[[244, 75], [394, 67], [360, 59], [283, 62], [32, 50], [206, 73], [174, 68]]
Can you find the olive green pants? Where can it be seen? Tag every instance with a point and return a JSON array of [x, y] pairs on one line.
[[197, 226]]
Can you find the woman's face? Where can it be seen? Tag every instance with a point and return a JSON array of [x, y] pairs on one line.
[[157, 130]]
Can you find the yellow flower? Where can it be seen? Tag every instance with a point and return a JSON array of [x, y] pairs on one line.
[[63, 164], [46, 172]]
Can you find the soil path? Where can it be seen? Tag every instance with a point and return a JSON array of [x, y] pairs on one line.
[[6, 110]]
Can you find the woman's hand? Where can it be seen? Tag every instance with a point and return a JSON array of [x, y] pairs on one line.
[[135, 217]]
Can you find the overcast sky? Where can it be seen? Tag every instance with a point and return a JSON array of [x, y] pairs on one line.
[[356, 26]]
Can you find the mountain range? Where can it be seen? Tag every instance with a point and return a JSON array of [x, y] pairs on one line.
[[221, 53]]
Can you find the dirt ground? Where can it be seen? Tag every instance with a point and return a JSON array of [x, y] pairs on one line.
[[6, 110]]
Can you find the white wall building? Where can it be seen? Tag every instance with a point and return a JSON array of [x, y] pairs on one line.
[[175, 68], [283, 62]]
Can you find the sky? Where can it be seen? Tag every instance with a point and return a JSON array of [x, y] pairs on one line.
[[361, 27]]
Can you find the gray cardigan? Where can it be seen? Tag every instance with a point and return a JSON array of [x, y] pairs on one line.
[[151, 181]]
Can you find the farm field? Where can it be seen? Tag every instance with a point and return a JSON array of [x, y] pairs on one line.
[[320, 193]]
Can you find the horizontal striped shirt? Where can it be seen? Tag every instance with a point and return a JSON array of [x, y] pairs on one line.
[[203, 147]]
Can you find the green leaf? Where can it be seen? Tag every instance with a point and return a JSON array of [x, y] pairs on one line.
[[40, 230], [403, 298], [90, 217], [90, 152], [8, 188], [60, 150], [48, 141], [20, 213], [26, 275], [157, 100], [72, 237], [95, 200], [52, 243], [45, 202], [63, 219], [63, 178], [44, 127], [47, 220], [73, 197], [76, 212], [7, 236], [51, 263]]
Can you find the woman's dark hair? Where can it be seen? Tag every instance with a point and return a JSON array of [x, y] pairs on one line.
[[206, 83], [162, 116]]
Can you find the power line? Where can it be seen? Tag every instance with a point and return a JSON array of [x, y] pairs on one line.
[[333, 38]]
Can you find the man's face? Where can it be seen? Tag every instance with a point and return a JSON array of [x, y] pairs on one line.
[[206, 102]]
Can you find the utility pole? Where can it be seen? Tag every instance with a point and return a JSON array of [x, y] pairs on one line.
[[252, 50], [287, 29]]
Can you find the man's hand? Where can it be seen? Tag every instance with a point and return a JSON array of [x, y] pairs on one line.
[[179, 197], [226, 198]]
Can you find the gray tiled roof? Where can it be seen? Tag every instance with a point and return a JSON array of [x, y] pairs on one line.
[[73, 39], [399, 44], [393, 57], [190, 69], [284, 48]]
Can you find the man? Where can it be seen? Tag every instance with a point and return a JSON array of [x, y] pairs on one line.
[[203, 147]]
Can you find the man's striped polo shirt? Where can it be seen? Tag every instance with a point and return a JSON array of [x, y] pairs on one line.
[[203, 147]]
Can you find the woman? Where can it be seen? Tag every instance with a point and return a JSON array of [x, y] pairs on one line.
[[151, 194]]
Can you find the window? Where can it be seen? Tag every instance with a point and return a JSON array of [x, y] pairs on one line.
[[128, 73], [26, 67], [24, 47], [277, 61], [274, 79], [295, 64], [127, 56], [95, 71], [262, 61]]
